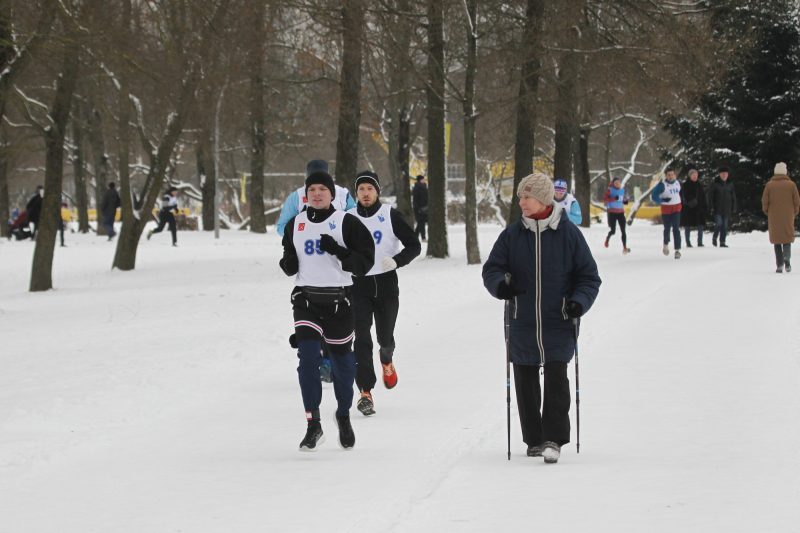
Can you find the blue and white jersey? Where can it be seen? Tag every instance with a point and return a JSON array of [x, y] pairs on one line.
[[672, 191], [572, 207], [297, 201], [316, 267], [380, 227], [665, 189], [339, 201]]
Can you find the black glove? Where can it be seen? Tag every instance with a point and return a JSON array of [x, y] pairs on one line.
[[290, 265], [507, 292], [329, 244], [574, 309], [293, 341]]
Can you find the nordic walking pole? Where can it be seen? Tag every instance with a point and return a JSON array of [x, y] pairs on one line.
[[507, 320], [577, 322]]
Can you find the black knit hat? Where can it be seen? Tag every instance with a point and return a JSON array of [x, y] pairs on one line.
[[367, 176], [420, 177], [321, 178], [316, 165]]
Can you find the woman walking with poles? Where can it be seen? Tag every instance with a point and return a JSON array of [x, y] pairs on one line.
[[543, 264]]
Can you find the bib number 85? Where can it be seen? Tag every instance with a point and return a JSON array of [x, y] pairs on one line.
[[311, 246]]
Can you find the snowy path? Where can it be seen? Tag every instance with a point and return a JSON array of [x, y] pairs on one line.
[[166, 399]]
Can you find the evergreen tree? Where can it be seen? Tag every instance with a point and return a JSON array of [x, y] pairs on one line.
[[750, 118]]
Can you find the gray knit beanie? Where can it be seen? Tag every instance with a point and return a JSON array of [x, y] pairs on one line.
[[539, 186]]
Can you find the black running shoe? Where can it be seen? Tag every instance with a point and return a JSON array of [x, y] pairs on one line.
[[313, 438], [347, 439], [365, 405]]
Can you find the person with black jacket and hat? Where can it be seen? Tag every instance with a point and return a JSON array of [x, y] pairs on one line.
[[723, 204], [693, 199], [324, 248], [377, 294]]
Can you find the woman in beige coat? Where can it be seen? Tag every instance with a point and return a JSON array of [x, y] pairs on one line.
[[781, 204]]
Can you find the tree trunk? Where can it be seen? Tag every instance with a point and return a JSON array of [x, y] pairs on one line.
[[127, 240], [94, 121], [258, 222], [470, 117], [42, 268], [208, 177], [4, 200], [565, 120], [350, 92], [403, 158], [526, 103], [78, 167], [583, 191], [437, 177], [400, 74]]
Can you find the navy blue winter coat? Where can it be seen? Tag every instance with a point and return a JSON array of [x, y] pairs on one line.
[[553, 266]]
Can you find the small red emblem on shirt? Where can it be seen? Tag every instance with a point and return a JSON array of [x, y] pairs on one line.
[[305, 199], [301, 226]]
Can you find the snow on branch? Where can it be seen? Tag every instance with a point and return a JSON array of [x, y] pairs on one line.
[[111, 75], [137, 104], [26, 105]]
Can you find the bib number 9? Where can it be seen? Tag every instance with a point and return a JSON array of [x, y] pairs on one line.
[[378, 236]]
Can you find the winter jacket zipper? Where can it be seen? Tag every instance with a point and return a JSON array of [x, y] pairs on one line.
[[538, 303]]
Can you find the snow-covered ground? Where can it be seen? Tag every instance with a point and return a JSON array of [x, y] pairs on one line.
[[166, 399]]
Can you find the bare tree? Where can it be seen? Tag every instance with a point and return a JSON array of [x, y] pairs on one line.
[[437, 177], [54, 133], [530, 65], [133, 222], [258, 223], [470, 116], [350, 91], [14, 59], [79, 167]]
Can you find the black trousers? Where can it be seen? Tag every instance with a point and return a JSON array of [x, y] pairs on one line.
[[384, 309], [617, 218], [422, 220], [552, 422], [165, 218]]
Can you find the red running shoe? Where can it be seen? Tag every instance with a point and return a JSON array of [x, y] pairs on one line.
[[389, 375]]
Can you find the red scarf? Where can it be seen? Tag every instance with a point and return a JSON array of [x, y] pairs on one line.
[[543, 214]]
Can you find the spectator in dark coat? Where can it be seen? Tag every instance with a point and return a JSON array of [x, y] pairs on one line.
[[781, 204], [722, 202], [693, 214], [34, 209], [554, 280], [108, 209], [419, 199]]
